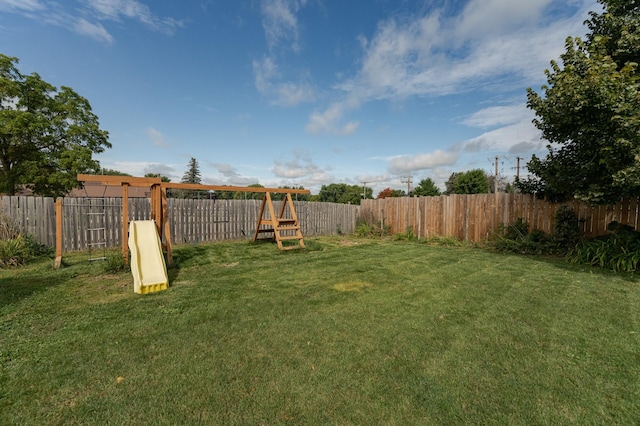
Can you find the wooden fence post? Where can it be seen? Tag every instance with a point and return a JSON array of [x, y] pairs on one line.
[[58, 261], [125, 223]]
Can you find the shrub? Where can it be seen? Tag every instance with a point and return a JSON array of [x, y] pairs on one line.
[[516, 238], [17, 248], [9, 229], [367, 229], [408, 235], [13, 252], [566, 231], [618, 251]]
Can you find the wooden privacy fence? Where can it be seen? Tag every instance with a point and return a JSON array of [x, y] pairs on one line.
[[88, 221], [475, 217]]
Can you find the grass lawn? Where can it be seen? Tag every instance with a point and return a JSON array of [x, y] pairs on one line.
[[347, 332]]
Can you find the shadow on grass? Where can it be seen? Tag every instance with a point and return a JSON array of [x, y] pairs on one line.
[[560, 262], [14, 289]]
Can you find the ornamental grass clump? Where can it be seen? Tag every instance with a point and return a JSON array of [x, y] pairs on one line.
[[618, 251]]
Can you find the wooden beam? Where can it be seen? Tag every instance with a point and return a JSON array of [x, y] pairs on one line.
[[196, 186], [142, 181], [119, 180]]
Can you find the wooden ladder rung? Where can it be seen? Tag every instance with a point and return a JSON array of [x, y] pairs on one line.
[[290, 237], [288, 228], [265, 230]]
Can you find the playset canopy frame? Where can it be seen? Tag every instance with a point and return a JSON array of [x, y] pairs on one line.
[[159, 210]]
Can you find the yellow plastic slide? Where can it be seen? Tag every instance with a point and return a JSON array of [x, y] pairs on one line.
[[147, 262]]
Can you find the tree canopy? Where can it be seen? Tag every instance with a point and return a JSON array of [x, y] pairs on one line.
[[341, 193], [47, 135], [590, 112], [390, 193], [426, 187], [470, 182]]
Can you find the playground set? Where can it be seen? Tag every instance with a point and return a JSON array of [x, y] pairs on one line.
[[148, 239]]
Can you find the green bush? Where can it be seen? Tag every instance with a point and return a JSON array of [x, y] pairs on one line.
[[13, 252], [408, 235], [516, 238], [367, 229], [618, 251], [17, 248], [566, 232]]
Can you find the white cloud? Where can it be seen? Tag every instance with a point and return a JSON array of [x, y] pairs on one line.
[[433, 55], [21, 5], [517, 138], [287, 93], [329, 121], [132, 9], [88, 21], [402, 164], [493, 45], [280, 22], [499, 116], [157, 137], [229, 175], [162, 169], [301, 166], [96, 31]]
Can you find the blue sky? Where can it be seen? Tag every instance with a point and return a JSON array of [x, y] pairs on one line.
[[301, 92]]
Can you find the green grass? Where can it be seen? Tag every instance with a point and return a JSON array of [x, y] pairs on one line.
[[347, 332]]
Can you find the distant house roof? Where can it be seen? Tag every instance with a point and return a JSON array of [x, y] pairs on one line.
[[96, 190]]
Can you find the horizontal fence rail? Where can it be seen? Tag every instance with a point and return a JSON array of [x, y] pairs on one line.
[[475, 217], [97, 222], [91, 221]]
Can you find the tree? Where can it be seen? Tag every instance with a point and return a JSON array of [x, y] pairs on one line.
[[340, 193], [451, 183], [111, 172], [192, 175], [590, 112], [426, 187], [388, 193], [470, 182], [158, 175], [239, 195], [47, 136]]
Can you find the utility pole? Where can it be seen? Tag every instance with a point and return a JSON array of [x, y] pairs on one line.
[[495, 181], [408, 182], [518, 168], [364, 192]]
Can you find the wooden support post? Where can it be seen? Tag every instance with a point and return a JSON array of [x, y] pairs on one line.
[[125, 222], [167, 228], [156, 207], [58, 261]]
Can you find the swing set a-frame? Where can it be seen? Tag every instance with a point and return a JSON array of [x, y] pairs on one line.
[[283, 226]]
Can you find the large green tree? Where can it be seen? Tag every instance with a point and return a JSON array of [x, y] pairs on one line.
[[426, 187], [470, 182], [47, 135], [590, 112], [340, 193]]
